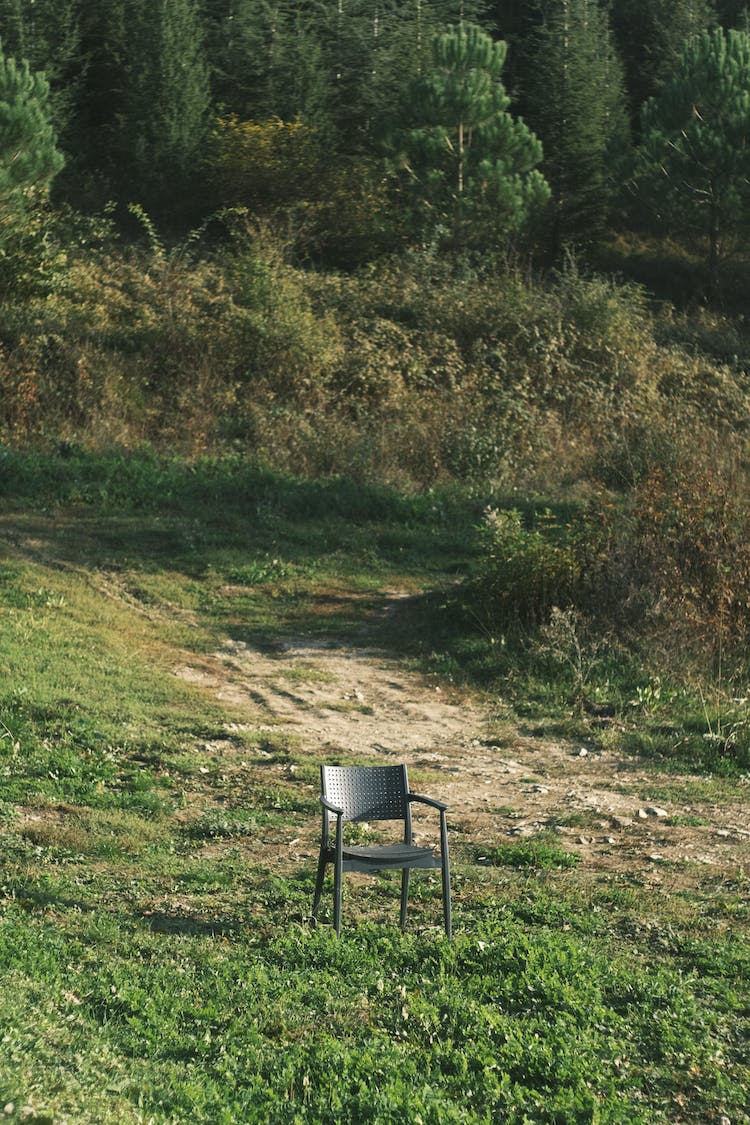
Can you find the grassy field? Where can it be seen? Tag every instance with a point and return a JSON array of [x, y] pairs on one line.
[[155, 956]]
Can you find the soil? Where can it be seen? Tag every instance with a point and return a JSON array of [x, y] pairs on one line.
[[501, 782]]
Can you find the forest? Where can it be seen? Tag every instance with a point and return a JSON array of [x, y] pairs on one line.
[[366, 128]]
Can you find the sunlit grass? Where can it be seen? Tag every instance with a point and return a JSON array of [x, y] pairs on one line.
[[159, 848]]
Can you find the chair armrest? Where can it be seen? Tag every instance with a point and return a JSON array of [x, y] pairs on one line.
[[428, 801], [331, 807]]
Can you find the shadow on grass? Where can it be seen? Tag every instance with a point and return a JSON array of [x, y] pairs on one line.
[[161, 922], [128, 509]]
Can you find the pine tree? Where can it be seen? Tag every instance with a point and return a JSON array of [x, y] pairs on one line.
[[650, 37], [29, 158], [471, 166], [576, 103], [166, 104], [695, 147], [144, 115], [46, 33], [266, 60]]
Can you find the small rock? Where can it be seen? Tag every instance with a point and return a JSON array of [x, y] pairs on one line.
[[723, 832], [583, 840], [622, 821], [583, 752], [652, 810]]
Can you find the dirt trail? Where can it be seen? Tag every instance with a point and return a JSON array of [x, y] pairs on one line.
[[500, 782]]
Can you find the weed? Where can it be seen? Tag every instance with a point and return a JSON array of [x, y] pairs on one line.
[[687, 820], [567, 639], [230, 824], [538, 852]]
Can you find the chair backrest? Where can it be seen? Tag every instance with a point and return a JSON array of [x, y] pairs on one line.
[[367, 792]]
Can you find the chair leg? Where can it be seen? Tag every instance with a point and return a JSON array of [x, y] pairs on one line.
[[446, 866], [318, 889], [337, 878], [404, 895], [447, 898]]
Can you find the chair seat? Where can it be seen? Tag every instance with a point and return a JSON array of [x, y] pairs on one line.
[[389, 855]]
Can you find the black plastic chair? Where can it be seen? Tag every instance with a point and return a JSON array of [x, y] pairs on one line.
[[374, 793]]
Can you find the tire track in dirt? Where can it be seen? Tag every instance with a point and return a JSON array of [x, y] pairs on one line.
[[338, 699]]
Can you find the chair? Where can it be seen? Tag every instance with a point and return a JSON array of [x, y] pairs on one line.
[[374, 793]]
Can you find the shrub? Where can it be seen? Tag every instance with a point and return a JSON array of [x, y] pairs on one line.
[[681, 565], [524, 571], [281, 169]]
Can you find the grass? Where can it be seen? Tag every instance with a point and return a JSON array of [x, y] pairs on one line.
[[540, 853], [158, 858]]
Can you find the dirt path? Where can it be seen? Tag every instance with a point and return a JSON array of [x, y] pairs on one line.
[[500, 783]]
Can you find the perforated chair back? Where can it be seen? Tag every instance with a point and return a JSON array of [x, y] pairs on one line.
[[367, 792]]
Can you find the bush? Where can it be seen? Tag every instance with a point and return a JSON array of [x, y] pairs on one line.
[[524, 572], [680, 568], [667, 568]]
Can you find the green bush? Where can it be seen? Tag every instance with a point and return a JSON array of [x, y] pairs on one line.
[[524, 571]]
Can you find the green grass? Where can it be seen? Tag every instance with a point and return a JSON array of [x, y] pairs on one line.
[[155, 958], [538, 852]]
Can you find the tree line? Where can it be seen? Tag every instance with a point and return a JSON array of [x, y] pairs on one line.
[[371, 124]]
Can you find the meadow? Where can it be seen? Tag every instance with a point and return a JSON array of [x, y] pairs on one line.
[[157, 963]]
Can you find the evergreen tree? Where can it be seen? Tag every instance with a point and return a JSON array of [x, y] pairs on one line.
[[733, 13], [166, 104], [342, 66], [266, 60], [650, 37], [145, 112], [101, 105], [29, 158], [471, 166], [46, 33], [516, 22], [576, 103], [695, 147]]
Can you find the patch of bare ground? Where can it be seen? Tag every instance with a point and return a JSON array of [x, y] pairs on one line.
[[345, 702]]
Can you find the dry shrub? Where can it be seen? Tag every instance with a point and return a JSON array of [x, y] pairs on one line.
[[665, 567], [157, 346], [525, 571], [416, 371], [679, 568]]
